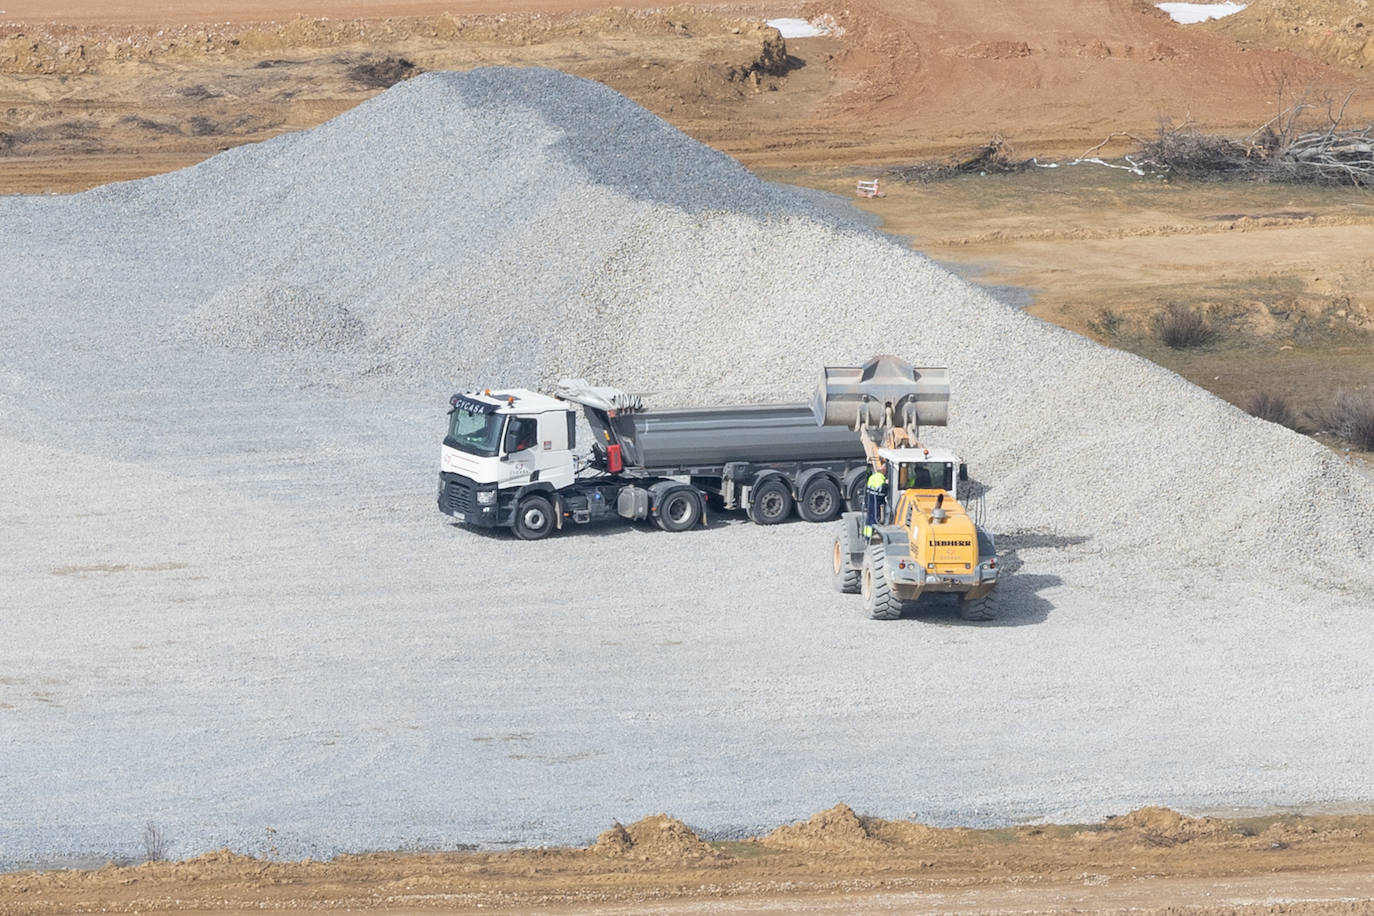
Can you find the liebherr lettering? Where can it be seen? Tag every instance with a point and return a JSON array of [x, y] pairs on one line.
[[951, 543]]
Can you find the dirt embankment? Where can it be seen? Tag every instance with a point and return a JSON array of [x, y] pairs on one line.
[[1149, 860], [87, 95], [81, 104], [1053, 76], [1337, 32]]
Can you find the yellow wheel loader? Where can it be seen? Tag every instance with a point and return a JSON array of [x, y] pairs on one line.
[[914, 536]]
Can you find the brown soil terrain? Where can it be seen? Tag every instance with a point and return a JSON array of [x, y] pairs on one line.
[[92, 92], [1335, 31], [1150, 861], [85, 104]]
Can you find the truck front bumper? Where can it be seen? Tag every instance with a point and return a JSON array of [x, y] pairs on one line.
[[461, 498]]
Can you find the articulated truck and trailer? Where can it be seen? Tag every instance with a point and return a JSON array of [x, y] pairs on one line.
[[511, 459]]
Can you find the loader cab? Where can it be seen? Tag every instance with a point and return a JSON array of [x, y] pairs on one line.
[[922, 469]]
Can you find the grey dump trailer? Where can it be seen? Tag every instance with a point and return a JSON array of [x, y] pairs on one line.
[[511, 459]]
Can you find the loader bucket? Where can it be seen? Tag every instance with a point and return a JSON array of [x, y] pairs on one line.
[[883, 391]]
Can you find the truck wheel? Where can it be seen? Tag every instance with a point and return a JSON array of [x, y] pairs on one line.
[[679, 510], [771, 503], [846, 580], [533, 518], [820, 501], [879, 599], [984, 608]]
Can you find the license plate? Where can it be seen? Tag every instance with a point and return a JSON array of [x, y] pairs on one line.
[[459, 517]]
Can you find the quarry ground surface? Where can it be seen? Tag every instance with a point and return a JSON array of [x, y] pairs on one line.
[[237, 568]]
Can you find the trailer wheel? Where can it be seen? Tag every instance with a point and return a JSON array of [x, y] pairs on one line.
[[771, 502], [533, 518], [679, 510], [820, 501], [880, 600]]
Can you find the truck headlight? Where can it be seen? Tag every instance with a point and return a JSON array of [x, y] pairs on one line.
[[486, 497]]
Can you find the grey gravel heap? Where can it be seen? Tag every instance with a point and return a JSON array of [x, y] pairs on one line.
[[231, 604]]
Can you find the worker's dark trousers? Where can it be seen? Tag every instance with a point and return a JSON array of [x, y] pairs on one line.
[[873, 505]]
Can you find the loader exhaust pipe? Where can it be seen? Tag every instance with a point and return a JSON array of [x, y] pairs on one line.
[[883, 393]]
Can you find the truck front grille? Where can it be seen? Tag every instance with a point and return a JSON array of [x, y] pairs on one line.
[[457, 497]]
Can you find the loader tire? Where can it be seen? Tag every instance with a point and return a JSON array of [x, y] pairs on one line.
[[846, 580], [984, 608], [880, 600]]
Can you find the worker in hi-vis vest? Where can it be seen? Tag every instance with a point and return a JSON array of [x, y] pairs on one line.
[[875, 497]]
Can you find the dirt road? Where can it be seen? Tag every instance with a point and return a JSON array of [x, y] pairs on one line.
[[1151, 861]]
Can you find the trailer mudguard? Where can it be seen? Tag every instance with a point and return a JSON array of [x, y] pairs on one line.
[[854, 484], [810, 474], [663, 487], [757, 480]]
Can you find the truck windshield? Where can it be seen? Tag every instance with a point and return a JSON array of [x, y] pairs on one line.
[[926, 475], [475, 433]]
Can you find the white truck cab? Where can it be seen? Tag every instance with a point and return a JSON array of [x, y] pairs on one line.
[[500, 441]]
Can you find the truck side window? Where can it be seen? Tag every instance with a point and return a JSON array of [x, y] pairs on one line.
[[521, 433]]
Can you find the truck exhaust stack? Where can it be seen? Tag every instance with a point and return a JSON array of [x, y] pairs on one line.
[[884, 392]]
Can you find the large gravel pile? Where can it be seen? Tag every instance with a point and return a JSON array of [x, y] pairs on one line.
[[232, 609]]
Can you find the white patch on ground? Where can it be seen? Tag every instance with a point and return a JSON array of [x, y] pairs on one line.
[[1189, 13], [801, 28]]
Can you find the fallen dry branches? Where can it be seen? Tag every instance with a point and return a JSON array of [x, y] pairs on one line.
[[1285, 148], [997, 156]]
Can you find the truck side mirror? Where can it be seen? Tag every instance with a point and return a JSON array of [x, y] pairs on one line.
[[963, 471]]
